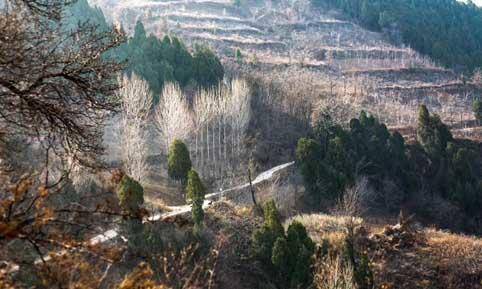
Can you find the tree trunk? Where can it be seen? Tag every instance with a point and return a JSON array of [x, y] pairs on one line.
[[251, 188]]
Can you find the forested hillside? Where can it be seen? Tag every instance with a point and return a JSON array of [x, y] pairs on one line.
[[449, 31]]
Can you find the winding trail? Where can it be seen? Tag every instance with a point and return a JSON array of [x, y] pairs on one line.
[[175, 211], [179, 210]]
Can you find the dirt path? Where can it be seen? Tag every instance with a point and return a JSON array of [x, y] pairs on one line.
[[179, 210]]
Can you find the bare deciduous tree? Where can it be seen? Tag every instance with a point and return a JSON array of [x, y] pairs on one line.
[[173, 117], [240, 110], [135, 109], [352, 203], [56, 91], [222, 115], [55, 84]]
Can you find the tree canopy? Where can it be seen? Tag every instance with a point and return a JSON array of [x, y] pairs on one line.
[[287, 256], [131, 195]]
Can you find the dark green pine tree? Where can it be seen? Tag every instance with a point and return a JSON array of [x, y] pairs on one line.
[[300, 258], [140, 34], [432, 134], [266, 236], [287, 257], [195, 196], [239, 56], [131, 195], [179, 161], [208, 70], [308, 155]]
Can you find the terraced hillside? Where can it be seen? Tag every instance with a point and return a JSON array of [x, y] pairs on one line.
[[341, 63]]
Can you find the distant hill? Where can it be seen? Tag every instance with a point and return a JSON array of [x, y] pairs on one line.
[[449, 31]]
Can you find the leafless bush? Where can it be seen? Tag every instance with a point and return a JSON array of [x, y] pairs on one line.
[[353, 201], [284, 194], [334, 273], [175, 270]]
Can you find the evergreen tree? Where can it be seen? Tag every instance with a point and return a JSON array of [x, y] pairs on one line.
[[140, 34], [264, 238], [272, 219], [179, 161], [432, 134], [208, 70], [280, 259], [239, 56], [287, 257], [131, 195], [195, 188], [301, 251], [195, 195], [308, 156], [182, 62]]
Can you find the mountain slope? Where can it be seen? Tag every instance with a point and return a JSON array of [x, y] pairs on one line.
[[448, 31]]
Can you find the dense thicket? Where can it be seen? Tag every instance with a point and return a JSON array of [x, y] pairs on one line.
[[436, 165], [447, 30]]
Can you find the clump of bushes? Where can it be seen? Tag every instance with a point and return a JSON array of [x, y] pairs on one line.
[[287, 256]]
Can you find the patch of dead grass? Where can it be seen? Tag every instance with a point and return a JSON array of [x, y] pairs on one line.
[[325, 227]]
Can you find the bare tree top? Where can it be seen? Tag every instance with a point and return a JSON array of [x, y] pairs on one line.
[[55, 83]]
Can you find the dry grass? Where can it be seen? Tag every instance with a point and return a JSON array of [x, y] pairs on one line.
[[334, 273], [458, 258], [326, 227], [156, 204], [438, 260]]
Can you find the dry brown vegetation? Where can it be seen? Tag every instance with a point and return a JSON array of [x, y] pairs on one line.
[[423, 258]]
